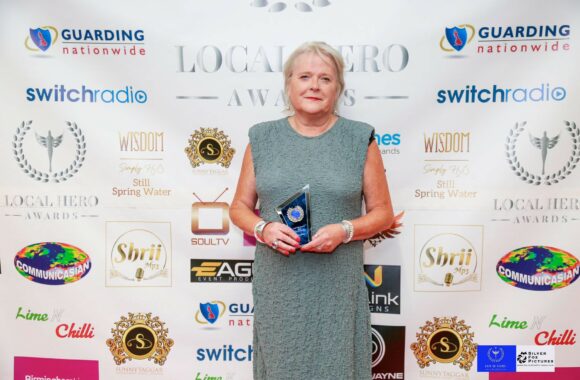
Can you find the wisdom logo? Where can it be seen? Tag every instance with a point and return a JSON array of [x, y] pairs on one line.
[[84, 94], [88, 42], [471, 94]]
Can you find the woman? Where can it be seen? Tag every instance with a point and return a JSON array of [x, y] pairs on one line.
[[311, 314]]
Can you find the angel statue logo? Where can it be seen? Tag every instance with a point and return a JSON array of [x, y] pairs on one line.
[[544, 143], [552, 172], [26, 158], [50, 143]]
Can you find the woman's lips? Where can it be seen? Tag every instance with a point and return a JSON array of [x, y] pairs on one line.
[[312, 98]]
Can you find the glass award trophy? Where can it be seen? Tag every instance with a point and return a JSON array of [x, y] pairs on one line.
[[295, 213]]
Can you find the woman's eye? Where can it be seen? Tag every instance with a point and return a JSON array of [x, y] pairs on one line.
[[326, 79]]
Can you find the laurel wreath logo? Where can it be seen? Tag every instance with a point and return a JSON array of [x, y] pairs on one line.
[[547, 179], [280, 6], [63, 175]]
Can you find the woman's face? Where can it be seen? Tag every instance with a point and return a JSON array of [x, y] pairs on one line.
[[313, 84]]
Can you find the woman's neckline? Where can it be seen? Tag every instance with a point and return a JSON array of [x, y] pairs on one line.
[[334, 125]]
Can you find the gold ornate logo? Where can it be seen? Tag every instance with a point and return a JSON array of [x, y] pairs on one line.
[[209, 146], [139, 337], [445, 340]]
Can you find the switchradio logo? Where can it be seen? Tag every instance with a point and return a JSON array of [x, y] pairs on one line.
[[227, 353], [85, 94], [472, 94], [538, 268], [506, 39], [87, 42], [52, 263]]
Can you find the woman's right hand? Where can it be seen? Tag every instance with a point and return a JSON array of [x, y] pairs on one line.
[[281, 238]]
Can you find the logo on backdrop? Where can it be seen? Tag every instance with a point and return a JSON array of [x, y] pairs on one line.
[[447, 258], [44, 148], [214, 314], [210, 218], [279, 6], [507, 39], [535, 359], [221, 270], [538, 268], [242, 59], [471, 94], [52, 263], [226, 353], [138, 254], [26, 368], [384, 288], [545, 147], [496, 358], [139, 337], [142, 161], [445, 340], [209, 146], [388, 143], [85, 94], [87, 42], [446, 166], [388, 352]]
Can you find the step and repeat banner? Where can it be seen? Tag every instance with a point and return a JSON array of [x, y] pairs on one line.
[[123, 131]]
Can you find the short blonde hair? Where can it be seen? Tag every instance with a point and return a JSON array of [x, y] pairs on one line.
[[323, 50]]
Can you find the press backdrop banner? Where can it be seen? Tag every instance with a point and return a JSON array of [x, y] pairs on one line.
[[124, 125]]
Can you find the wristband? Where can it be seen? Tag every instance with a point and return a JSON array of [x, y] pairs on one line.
[[259, 229], [348, 229]]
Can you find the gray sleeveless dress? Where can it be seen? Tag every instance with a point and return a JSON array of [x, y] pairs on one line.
[[311, 313]]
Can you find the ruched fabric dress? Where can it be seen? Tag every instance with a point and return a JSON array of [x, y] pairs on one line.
[[311, 313]]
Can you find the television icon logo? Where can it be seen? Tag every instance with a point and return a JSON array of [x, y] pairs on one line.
[[210, 218]]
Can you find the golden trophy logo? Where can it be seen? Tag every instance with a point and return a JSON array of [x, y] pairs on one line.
[[209, 146], [445, 340], [139, 337]]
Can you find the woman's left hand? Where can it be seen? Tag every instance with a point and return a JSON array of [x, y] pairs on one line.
[[326, 239]]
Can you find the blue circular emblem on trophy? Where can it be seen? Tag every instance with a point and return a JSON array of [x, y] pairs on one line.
[[295, 214]]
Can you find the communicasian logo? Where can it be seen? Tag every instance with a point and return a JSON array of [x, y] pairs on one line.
[[139, 337], [52, 263], [41, 39], [445, 340], [538, 268]]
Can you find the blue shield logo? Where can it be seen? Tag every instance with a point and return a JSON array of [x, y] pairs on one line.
[[41, 38], [457, 37], [210, 311]]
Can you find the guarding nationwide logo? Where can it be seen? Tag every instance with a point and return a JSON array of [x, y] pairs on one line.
[[209, 146], [448, 258], [210, 311], [384, 288], [388, 352], [221, 270], [140, 336], [457, 37], [41, 39], [50, 144], [52, 263], [544, 147], [445, 340], [496, 358], [538, 267]]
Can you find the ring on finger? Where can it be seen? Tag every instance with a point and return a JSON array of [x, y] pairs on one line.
[[275, 244]]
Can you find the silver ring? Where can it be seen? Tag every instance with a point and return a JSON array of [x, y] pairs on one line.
[[275, 244]]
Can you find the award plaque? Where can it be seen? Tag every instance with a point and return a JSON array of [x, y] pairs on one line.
[[295, 213]]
